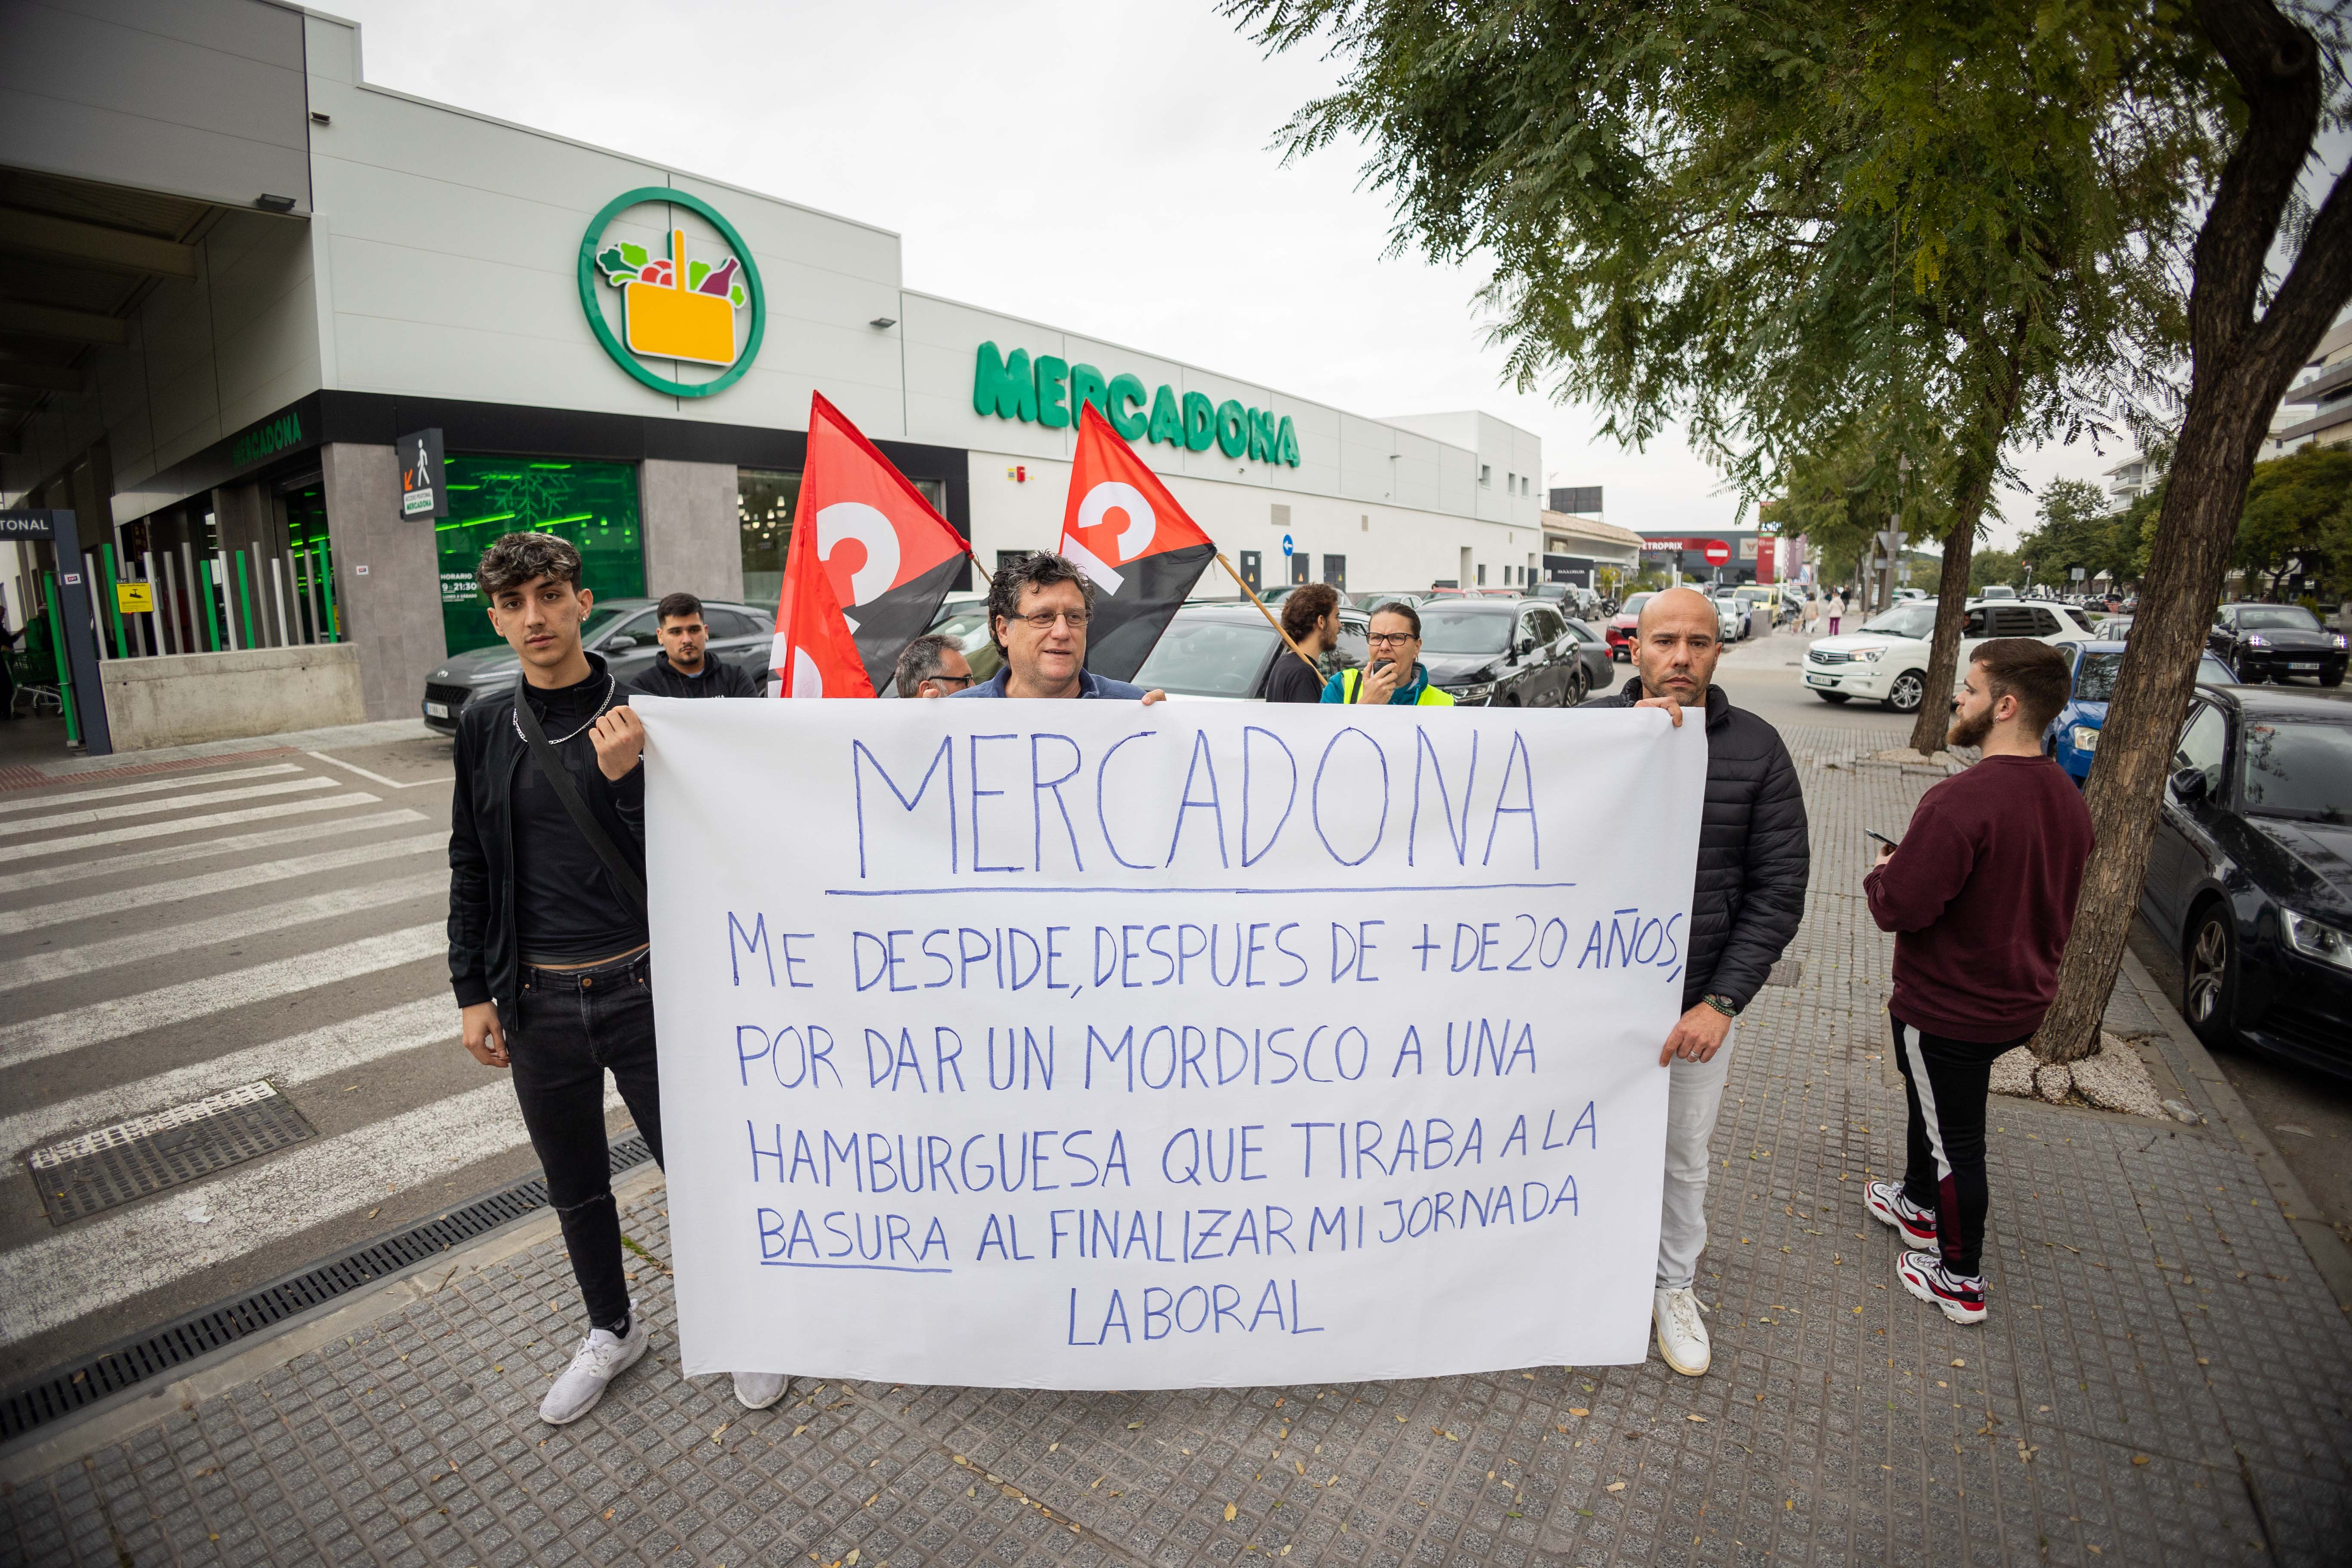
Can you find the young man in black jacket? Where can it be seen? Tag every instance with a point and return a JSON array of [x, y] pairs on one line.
[[1753, 861], [1310, 618], [685, 667], [547, 943]]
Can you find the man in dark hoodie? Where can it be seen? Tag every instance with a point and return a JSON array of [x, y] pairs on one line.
[[1753, 861], [683, 668]]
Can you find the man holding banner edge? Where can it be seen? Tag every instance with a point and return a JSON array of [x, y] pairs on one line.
[[1754, 859]]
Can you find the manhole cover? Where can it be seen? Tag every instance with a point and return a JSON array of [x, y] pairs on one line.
[[113, 1166]]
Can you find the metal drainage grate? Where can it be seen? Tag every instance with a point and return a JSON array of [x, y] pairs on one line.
[[81, 1176], [66, 1388]]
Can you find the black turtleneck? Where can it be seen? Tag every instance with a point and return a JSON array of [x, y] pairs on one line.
[[568, 910]]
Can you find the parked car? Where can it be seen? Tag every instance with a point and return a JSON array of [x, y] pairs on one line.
[[1367, 598], [1731, 617], [624, 631], [2277, 642], [1997, 591], [1593, 649], [1503, 653], [2112, 628], [1621, 627], [1887, 660], [2250, 872], [1223, 652], [2073, 737]]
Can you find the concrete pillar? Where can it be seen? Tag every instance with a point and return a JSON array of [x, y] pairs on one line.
[[693, 533], [387, 578]]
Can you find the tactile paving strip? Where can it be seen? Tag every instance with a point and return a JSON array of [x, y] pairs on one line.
[[115, 1165]]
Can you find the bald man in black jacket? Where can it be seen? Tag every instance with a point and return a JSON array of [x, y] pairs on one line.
[[1753, 861]]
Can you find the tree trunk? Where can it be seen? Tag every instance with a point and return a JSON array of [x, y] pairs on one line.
[[1935, 718], [2239, 369]]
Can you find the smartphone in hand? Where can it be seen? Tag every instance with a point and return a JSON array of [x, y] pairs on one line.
[[1871, 832]]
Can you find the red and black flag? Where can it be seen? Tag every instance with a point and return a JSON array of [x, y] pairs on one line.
[[890, 559], [1123, 529], [814, 653]]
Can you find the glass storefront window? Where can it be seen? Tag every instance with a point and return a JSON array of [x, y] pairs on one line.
[[592, 505], [764, 499]]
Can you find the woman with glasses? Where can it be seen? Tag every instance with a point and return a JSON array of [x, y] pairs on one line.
[[1396, 673]]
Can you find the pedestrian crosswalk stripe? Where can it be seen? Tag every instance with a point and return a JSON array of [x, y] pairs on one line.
[[115, 900], [162, 942], [96, 814], [147, 787], [84, 1267], [117, 866], [187, 824], [55, 1033], [295, 1059]]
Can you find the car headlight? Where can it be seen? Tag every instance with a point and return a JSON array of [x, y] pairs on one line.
[[2316, 939], [2338, 639], [1478, 693], [1868, 655], [2258, 640], [2085, 738]]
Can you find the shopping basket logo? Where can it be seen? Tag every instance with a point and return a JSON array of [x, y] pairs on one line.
[[701, 304]]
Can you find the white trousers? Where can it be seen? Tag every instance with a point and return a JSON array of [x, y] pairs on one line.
[[1693, 1096]]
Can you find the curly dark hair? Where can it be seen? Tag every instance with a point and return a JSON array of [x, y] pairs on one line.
[[517, 558], [1304, 606], [1041, 569]]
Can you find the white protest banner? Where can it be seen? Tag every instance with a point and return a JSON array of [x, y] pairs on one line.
[[1091, 1045]]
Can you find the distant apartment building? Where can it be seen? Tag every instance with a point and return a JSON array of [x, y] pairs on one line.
[[2317, 409]]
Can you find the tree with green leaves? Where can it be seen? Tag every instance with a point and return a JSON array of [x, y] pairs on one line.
[[2298, 522], [2078, 528], [1952, 223]]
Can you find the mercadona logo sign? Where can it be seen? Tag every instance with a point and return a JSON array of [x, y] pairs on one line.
[[677, 302]]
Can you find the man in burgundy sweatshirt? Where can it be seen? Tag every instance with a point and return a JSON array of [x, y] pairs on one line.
[[1981, 895]]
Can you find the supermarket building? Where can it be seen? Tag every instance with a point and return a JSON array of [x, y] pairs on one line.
[[240, 274]]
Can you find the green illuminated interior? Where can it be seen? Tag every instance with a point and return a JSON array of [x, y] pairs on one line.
[[593, 505]]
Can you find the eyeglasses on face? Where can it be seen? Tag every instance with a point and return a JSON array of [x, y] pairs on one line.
[[958, 681], [1390, 639], [1044, 619]]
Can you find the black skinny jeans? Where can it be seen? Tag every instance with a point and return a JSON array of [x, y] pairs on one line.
[[572, 1027], [1947, 1136]]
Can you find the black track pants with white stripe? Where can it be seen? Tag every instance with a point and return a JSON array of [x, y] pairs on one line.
[[1945, 1082]]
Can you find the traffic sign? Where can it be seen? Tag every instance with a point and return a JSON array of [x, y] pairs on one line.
[[1285, 546], [1718, 553]]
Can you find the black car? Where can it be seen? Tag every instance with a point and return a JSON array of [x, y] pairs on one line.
[[624, 631], [1503, 652], [2250, 873], [2277, 642], [1223, 652]]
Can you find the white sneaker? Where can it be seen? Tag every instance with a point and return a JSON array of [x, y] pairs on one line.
[[1681, 1337], [757, 1390], [601, 1358]]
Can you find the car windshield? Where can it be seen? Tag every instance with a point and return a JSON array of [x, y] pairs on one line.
[[969, 627], [1632, 606], [1904, 621], [2211, 671], [2095, 678], [1465, 630], [2277, 618], [600, 618], [2300, 768], [1207, 659]]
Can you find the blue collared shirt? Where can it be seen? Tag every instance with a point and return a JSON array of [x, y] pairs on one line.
[[1089, 685]]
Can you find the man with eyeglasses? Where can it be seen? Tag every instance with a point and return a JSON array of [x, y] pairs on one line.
[[1397, 675], [1037, 615], [931, 666]]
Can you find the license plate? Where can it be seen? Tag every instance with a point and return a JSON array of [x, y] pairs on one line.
[[1821, 680], [2312, 665], [438, 710]]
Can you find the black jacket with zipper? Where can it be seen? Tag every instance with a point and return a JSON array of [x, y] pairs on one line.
[[484, 956], [718, 678], [1754, 852]]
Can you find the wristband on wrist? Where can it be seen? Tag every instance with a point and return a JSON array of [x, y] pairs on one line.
[[1721, 1004]]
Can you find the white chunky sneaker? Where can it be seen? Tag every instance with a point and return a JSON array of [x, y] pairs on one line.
[[1886, 1204], [757, 1390], [1681, 1337], [1925, 1276], [602, 1357]]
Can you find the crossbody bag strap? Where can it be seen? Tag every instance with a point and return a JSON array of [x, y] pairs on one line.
[[559, 779]]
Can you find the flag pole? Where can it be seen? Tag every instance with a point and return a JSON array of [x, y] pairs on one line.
[[1262, 610]]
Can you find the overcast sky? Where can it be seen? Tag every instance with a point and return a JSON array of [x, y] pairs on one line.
[[1107, 169]]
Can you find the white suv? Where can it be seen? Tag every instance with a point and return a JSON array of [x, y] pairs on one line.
[[1887, 660]]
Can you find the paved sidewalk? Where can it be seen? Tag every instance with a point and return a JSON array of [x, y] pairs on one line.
[[2164, 1379]]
